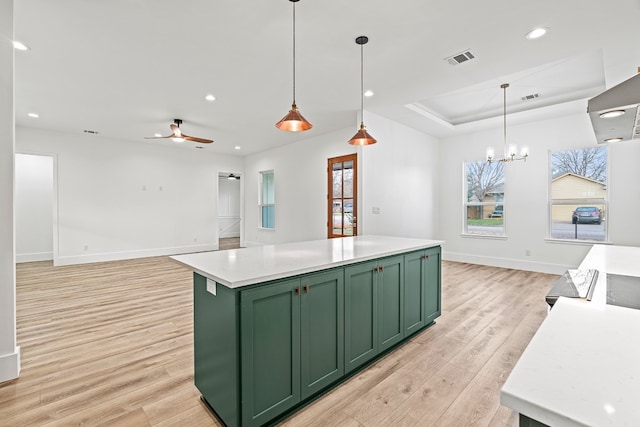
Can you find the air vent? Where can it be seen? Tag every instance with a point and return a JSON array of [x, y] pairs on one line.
[[459, 58], [92, 132], [531, 97]]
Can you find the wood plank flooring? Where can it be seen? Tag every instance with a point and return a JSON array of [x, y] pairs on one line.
[[112, 344]]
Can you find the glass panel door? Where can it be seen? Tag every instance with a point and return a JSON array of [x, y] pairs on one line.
[[342, 200]]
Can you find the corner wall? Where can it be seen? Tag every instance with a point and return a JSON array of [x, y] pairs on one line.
[[120, 199], [9, 351], [526, 198], [398, 175]]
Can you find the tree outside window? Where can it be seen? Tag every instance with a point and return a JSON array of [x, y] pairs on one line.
[[484, 202], [578, 196]]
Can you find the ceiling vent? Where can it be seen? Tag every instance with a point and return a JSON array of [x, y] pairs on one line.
[[531, 97], [459, 58], [92, 132]]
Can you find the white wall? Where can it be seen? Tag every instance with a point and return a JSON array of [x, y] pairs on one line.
[[9, 351], [120, 199], [526, 198], [33, 207], [300, 176], [229, 207], [399, 175]]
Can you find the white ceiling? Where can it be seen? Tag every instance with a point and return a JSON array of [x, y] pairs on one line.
[[127, 68]]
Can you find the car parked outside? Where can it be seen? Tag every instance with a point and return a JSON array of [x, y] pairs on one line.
[[586, 215]]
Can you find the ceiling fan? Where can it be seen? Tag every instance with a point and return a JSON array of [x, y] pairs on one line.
[[178, 136]]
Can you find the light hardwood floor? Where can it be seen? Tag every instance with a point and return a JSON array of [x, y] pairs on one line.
[[112, 344]]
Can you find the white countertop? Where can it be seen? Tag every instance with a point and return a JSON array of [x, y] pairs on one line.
[[235, 268], [582, 367]]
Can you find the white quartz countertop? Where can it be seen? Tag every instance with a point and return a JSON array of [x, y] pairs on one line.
[[235, 268], [582, 367]]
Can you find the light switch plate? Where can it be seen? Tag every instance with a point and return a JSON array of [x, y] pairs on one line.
[[211, 286]]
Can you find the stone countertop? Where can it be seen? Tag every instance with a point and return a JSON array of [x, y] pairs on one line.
[[235, 268], [582, 366]]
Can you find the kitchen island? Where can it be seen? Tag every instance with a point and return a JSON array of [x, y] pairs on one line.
[[276, 326], [582, 367]]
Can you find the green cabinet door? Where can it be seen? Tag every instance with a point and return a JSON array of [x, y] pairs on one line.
[[414, 292], [390, 282], [432, 284], [321, 331], [270, 351], [360, 314]]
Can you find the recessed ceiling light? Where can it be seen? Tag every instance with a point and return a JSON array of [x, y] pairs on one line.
[[210, 98], [237, 147], [19, 45], [617, 139], [536, 33], [34, 115], [611, 114], [368, 93]]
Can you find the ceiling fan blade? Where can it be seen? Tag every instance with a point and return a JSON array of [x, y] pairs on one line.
[[158, 137], [196, 139]]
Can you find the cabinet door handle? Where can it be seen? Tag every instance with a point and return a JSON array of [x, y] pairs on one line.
[[297, 290], [306, 288], [426, 257], [381, 268], [376, 269]]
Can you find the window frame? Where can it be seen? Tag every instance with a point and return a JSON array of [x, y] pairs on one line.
[[604, 202], [270, 200], [466, 204]]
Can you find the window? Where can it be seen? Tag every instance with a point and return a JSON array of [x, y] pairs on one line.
[[267, 200], [578, 194], [484, 198]]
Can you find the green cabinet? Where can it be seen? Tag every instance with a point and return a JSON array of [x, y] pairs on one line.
[[291, 341], [373, 309], [421, 289], [263, 350]]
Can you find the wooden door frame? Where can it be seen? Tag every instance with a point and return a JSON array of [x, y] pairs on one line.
[[353, 157]]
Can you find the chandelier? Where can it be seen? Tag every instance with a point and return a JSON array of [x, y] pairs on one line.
[[510, 152]]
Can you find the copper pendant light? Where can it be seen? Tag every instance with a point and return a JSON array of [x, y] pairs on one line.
[[362, 137], [293, 120]]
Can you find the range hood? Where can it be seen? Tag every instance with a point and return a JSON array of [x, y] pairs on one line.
[[621, 102]]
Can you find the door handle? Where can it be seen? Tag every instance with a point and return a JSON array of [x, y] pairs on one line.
[[306, 288], [297, 290], [426, 257]]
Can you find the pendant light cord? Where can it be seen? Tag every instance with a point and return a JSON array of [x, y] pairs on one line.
[[362, 83], [294, 53]]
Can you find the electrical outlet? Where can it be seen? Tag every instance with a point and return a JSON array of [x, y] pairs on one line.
[[527, 252], [86, 247]]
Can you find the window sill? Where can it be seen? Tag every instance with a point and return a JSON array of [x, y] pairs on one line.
[[266, 229], [483, 236], [576, 242]]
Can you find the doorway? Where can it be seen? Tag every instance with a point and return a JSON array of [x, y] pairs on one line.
[[229, 218], [342, 200], [34, 207]]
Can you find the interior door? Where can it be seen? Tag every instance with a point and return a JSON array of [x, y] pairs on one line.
[[342, 196]]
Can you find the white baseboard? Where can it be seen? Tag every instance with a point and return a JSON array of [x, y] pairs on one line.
[[248, 244], [10, 365], [517, 264], [38, 256], [118, 256]]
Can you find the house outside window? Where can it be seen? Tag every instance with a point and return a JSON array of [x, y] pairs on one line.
[[578, 206], [267, 200], [484, 212]]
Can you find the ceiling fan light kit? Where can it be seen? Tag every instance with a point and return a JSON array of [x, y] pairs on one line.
[[293, 120], [178, 136]]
